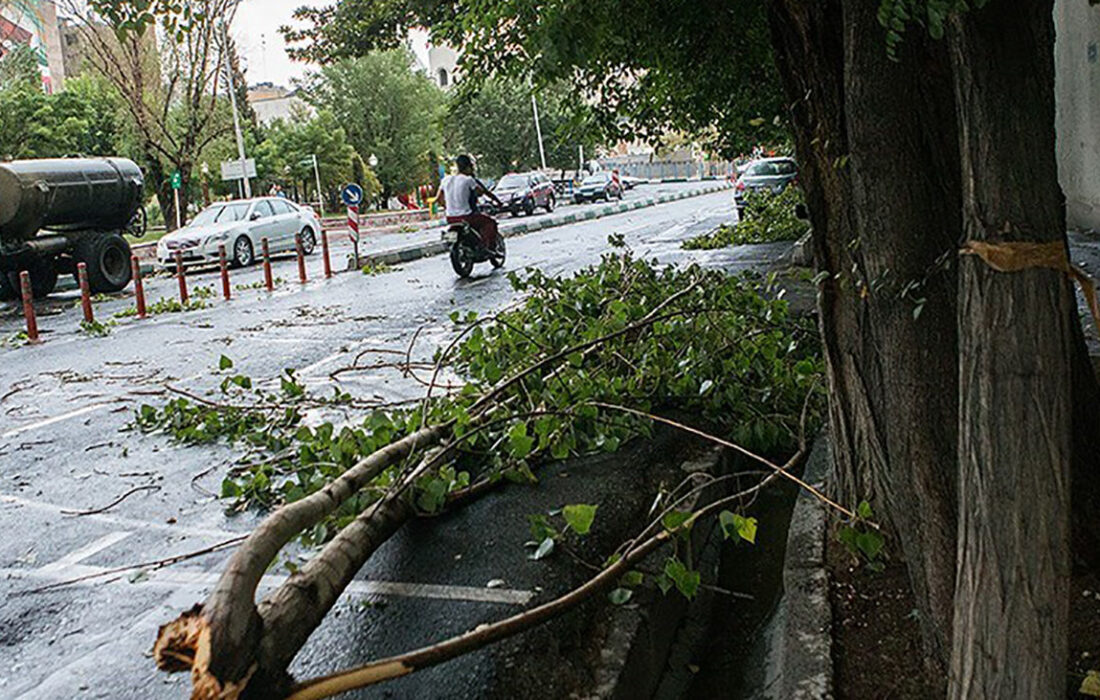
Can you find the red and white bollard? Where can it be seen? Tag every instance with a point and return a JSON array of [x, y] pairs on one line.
[[225, 272], [28, 305], [325, 256], [268, 281], [181, 277], [353, 231], [301, 258], [139, 286], [85, 292]]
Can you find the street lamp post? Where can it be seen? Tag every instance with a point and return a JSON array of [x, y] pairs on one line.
[[372, 161], [538, 130], [247, 183]]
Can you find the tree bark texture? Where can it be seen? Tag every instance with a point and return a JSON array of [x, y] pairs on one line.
[[1016, 351], [878, 154]]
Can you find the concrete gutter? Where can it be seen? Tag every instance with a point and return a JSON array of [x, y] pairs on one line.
[[798, 662]]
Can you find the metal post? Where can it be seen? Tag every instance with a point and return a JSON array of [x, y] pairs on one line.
[[320, 197], [301, 258], [179, 221], [224, 264], [139, 286], [28, 306], [538, 130], [85, 292], [181, 278], [324, 254], [236, 116], [268, 282]]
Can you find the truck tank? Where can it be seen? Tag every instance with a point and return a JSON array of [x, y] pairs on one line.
[[67, 194]]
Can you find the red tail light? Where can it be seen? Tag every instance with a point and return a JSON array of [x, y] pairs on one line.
[[740, 186]]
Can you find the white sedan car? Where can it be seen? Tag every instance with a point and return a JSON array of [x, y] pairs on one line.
[[241, 226]]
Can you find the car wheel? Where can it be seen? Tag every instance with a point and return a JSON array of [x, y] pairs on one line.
[[550, 203], [529, 207], [107, 258], [309, 241], [243, 253]]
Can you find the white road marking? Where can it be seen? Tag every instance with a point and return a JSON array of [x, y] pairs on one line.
[[119, 521], [91, 549], [52, 421], [201, 581]]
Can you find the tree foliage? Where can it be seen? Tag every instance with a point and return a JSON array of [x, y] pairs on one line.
[[287, 152], [388, 110], [82, 120], [697, 66], [19, 68], [494, 121]]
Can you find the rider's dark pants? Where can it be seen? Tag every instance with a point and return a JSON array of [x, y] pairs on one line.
[[485, 225]]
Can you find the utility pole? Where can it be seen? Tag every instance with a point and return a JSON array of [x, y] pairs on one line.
[[236, 116], [538, 130], [317, 174]]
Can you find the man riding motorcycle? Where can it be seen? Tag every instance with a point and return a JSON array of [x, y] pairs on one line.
[[458, 194]]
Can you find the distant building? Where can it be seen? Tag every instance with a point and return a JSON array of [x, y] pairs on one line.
[[33, 23], [443, 66], [271, 102]]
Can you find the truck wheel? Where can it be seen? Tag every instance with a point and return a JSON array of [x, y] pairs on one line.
[[43, 278], [108, 259]]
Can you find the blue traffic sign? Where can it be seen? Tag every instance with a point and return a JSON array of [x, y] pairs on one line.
[[352, 195]]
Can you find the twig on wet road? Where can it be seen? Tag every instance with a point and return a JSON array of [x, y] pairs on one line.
[[112, 504]]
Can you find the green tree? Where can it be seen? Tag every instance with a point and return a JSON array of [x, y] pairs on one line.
[[19, 68], [286, 155], [494, 121], [388, 109], [82, 120]]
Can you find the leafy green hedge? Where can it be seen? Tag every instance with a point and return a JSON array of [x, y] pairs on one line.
[[767, 218]]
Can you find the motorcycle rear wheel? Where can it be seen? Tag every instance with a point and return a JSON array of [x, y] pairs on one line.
[[461, 260]]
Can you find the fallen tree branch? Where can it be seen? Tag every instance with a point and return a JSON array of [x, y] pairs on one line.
[[404, 664]]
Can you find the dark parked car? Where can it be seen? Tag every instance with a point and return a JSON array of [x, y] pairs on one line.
[[768, 174], [597, 186], [523, 192]]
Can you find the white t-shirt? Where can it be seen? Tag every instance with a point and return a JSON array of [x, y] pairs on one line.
[[458, 191]]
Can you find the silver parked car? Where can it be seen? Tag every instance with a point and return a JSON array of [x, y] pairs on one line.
[[240, 226], [769, 174]]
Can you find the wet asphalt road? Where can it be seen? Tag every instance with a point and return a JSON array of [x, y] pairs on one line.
[[65, 405]]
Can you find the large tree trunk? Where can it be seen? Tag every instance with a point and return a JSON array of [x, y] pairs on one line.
[[1016, 350], [879, 159], [906, 204]]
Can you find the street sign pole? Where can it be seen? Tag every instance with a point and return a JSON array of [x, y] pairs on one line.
[[317, 174], [352, 195], [177, 182], [247, 184]]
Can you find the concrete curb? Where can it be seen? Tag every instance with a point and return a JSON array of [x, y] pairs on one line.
[[511, 230], [798, 639]]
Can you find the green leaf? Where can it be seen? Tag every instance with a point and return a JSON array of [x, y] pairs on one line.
[[619, 596], [864, 510], [686, 580], [745, 528], [579, 517], [225, 363], [230, 489], [870, 543], [631, 579], [1091, 684], [519, 441], [674, 519], [544, 549]]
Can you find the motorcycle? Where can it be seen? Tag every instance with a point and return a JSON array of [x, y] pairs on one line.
[[467, 249]]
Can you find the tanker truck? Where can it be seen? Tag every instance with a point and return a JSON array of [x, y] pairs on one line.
[[56, 213]]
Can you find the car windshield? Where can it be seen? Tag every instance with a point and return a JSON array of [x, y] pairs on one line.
[[597, 179], [770, 167], [223, 214], [509, 182]]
